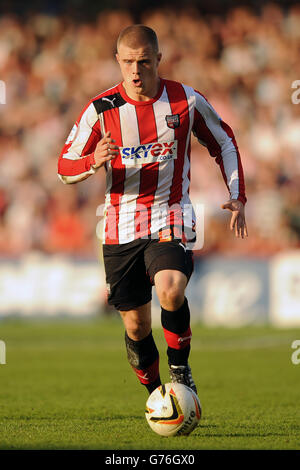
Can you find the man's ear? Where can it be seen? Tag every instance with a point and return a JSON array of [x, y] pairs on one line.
[[159, 56], [117, 57]]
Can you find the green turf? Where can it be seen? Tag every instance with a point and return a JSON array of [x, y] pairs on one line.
[[67, 385]]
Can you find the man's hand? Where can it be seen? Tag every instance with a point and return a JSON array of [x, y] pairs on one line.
[[105, 150], [238, 222]]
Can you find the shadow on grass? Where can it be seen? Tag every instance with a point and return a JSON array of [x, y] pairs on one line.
[[116, 417], [198, 433], [72, 418]]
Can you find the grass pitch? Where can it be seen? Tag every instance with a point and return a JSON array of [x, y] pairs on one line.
[[67, 385]]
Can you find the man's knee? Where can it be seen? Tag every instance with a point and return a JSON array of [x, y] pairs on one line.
[[171, 298], [137, 322], [170, 287]]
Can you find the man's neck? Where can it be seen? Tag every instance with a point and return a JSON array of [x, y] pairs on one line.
[[141, 97]]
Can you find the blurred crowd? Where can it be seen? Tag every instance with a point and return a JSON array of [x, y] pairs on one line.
[[244, 62]]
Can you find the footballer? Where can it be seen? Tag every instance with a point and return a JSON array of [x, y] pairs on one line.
[[139, 132]]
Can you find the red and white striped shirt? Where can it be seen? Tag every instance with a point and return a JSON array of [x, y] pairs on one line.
[[152, 170]]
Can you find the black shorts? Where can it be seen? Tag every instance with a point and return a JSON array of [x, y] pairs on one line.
[[130, 269]]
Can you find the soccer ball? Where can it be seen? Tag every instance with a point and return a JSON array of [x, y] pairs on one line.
[[173, 409]]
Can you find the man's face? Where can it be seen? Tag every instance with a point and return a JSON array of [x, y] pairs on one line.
[[139, 71]]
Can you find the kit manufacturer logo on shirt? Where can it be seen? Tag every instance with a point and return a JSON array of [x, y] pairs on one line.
[[149, 153]]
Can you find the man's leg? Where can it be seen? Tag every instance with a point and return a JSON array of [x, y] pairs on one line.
[[175, 314], [142, 352], [175, 318], [131, 293]]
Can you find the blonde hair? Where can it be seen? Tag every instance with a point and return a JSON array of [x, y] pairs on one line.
[[137, 35]]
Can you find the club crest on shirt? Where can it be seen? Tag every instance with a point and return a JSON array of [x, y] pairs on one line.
[[173, 121]]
